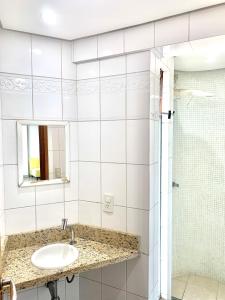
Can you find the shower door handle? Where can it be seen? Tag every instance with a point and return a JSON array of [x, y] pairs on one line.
[[170, 113], [175, 184]]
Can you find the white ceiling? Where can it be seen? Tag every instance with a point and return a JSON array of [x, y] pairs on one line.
[[200, 55], [79, 18]]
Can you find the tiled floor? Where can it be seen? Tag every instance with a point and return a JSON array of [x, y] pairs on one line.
[[194, 287]]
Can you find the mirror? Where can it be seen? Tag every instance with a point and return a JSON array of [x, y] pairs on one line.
[[43, 152]]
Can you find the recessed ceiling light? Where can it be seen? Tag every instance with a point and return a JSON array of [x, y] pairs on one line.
[[49, 16]]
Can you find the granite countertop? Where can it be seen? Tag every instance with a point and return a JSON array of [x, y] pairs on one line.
[[97, 248]]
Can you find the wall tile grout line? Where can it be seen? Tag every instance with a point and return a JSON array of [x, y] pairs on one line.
[[84, 79], [100, 141], [116, 288], [61, 83], [126, 272], [32, 81], [126, 129], [77, 147]]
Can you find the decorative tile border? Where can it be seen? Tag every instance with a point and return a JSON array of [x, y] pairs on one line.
[[15, 83]]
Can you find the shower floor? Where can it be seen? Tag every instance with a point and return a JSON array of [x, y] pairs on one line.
[[194, 287]]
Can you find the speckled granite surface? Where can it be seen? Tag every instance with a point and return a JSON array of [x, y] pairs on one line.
[[97, 248]]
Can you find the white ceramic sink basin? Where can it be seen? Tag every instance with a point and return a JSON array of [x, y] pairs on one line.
[[54, 256]]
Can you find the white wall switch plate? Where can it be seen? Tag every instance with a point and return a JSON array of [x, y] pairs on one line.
[[108, 204]]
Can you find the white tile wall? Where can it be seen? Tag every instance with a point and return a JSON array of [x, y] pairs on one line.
[[15, 52], [89, 289], [14, 196], [88, 70], [115, 276], [68, 67], [138, 94], [110, 293], [207, 22], [123, 141], [116, 220], [49, 194], [198, 24], [138, 223], [72, 290], [89, 141], [16, 96], [69, 98], [71, 189], [134, 297], [71, 212], [46, 56], [104, 139], [73, 141], [9, 142], [138, 141], [113, 97], [90, 213], [88, 99], [137, 284], [94, 274], [124, 167], [113, 144], [85, 49], [37, 81], [65, 291], [138, 186], [110, 43], [154, 183], [1, 190], [89, 181], [165, 33], [138, 62], [47, 94], [27, 295], [139, 38], [1, 144], [19, 220], [43, 292], [114, 182], [49, 215], [113, 66]]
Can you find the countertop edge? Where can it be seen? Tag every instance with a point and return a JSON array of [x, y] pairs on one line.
[[61, 274]]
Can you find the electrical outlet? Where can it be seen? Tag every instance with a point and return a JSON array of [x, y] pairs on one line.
[[108, 203]]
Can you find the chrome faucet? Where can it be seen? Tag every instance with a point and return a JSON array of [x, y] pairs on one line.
[[65, 226]]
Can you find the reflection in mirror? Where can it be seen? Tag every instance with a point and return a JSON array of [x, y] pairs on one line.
[[42, 153]]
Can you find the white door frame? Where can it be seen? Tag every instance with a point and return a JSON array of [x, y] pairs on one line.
[[166, 184]]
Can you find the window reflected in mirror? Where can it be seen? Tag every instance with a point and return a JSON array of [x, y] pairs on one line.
[[42, 153]]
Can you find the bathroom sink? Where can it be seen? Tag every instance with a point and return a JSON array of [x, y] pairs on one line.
[[54, 256]]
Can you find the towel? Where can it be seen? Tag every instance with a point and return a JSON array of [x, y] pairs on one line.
[[13, 294], [12, 289]]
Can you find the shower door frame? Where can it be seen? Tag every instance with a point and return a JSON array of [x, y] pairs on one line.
[[166, 183]]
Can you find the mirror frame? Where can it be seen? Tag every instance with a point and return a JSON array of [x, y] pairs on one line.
[[21, 182]]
